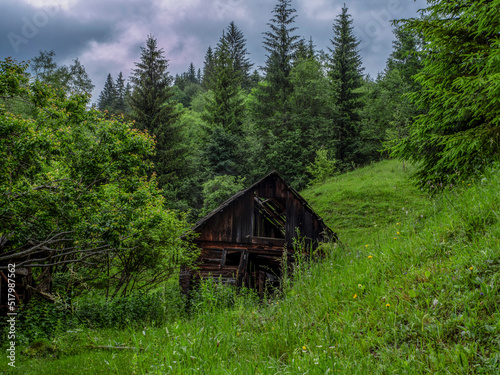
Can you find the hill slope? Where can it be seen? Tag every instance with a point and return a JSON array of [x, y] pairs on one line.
[[367, 200], [418, 293]]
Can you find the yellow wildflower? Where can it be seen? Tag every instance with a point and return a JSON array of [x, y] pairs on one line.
[[304, 348], [388, 305], [471, 268], [354, 296], [370, 257]]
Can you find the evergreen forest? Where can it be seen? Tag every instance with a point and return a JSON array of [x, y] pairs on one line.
[[224, 125]]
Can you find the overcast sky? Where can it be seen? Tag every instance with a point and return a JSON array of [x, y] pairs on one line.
[[106, 35]]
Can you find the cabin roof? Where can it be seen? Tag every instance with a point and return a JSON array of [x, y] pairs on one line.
[[241, 193]]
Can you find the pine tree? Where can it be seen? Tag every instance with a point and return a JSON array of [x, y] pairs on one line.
[[237, 47], [108, 97], [153, 110], [346, 77]]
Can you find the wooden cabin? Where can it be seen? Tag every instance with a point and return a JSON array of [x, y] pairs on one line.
[[243, 241]]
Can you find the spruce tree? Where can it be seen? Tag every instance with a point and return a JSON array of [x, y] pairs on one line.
[[191, 74], [108, 97], [406, 55], [281, 45], [237, 47], [224, 112], [120, 104], [460, 134], [346, 78], [153, 110], [270, 110], [270, 106], [396, 84], [208, 67]]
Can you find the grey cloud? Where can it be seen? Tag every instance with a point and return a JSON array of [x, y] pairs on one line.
[[30, 30], [106, 35]]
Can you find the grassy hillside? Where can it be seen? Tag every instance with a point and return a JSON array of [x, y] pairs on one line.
[[364, 202], [413, 289]]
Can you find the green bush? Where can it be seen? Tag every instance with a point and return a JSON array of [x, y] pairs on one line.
[[322, 168], [211, 295], [42, 319]]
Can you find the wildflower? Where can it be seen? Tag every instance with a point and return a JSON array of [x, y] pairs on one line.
[[397, 223], [359, 285], [366, 245], [354, 296], [370, 257], [387, 305], [304, 348], [397, 233], [471, 268], [238, 334]]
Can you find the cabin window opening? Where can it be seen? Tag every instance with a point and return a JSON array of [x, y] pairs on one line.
[[231, 257], [269, 217]]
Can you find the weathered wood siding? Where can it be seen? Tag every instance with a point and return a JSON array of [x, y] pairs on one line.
[[231, 248], [233, 224]]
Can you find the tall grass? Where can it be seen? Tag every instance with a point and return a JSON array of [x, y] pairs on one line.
[[416, 294]]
